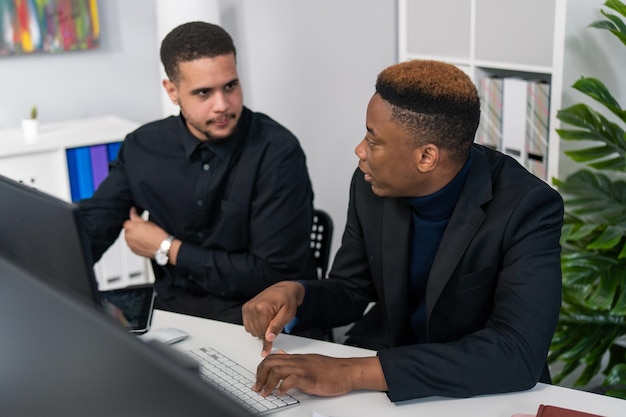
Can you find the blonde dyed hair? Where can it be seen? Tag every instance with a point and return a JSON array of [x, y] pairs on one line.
[[434, 101]]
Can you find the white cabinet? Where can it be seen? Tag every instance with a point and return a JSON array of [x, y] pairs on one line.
[[493, 39], [44, 165], [37, 170]]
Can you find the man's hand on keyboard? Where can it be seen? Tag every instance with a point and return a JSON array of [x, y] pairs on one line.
[[318, 374], [235, 381], [266, 315]]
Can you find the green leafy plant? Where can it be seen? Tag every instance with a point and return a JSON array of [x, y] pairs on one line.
[[33, 112], [593, 313]]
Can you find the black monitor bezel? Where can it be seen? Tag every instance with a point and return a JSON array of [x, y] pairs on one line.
[[62, 358], [36, 229]]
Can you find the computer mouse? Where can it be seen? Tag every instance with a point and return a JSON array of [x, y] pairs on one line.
[[167, 335]]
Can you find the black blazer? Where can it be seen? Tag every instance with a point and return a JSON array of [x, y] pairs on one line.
[[493, 294]]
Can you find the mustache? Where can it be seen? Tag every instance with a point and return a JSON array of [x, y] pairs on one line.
[[225, 116]]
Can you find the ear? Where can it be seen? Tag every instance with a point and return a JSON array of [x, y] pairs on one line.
[[427, 157], [171, 90]]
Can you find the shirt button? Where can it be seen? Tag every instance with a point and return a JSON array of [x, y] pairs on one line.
[[199, 203], [206, 167]]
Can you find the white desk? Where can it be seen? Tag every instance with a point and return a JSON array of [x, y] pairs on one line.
[[233, 341]]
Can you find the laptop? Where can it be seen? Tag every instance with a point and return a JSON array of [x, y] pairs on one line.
[[41, 233]]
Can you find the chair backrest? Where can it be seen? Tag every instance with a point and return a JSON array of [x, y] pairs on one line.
[[321, 238]]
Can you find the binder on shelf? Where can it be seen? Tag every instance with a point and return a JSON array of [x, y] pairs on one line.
[[88, 166], [515, 115], [113, 149], [72, 170], [514, 103], [537, 128], [490, 128], [111, 267], [99, 164], [85, 174], [81, 176]]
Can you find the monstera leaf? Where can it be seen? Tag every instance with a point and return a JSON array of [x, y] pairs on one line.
[[593, 259]]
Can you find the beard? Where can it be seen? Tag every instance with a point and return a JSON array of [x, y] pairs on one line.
[[210, 130]]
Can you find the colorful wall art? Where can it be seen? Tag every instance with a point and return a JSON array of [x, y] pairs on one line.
[[48, 26]]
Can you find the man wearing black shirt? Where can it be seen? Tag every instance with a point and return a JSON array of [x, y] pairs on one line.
[[227, 190]]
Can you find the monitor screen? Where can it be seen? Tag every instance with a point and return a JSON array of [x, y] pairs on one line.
[[62, 358]]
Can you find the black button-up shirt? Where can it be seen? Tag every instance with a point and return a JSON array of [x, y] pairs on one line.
[[242, 207]]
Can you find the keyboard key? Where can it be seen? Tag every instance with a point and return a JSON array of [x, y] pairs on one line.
[[237, 381]]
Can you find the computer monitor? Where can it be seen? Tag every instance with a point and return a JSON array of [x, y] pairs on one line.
[[62, 358], [42, 234]]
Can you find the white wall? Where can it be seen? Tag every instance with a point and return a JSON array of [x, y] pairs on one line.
[[118, 78], [311, 65]]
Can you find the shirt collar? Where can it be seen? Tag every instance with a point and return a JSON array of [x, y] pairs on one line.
[[223, 149]]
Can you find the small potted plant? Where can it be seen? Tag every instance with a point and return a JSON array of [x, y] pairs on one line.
[[30, 126]]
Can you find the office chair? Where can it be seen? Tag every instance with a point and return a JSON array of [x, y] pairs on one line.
[[321, 239]]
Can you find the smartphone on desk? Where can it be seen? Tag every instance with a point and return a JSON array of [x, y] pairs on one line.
[[131, 306]]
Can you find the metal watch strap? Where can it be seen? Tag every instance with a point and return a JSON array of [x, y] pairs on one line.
[[162, 254]]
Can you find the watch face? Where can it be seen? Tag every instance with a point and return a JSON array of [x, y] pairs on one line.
[[161, 258], [165, 245]]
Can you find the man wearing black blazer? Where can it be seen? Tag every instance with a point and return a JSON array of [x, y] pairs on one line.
[[456, 244]]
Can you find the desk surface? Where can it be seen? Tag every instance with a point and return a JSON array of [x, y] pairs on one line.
[[233, 341]]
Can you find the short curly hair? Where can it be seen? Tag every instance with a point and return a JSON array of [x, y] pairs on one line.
[[435, 101], [193, 40]]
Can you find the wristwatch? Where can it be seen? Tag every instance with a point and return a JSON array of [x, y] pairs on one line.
[[161, 256]]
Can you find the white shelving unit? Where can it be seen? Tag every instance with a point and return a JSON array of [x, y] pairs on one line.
[[512, 38], [43, 165]]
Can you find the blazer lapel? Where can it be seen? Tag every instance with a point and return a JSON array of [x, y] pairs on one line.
[[466, 218], [396, 227]]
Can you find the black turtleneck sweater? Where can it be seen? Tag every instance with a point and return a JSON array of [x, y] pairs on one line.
[[430, 216]]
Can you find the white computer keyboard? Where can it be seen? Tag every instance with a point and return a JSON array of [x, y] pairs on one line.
[[236, 381]]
